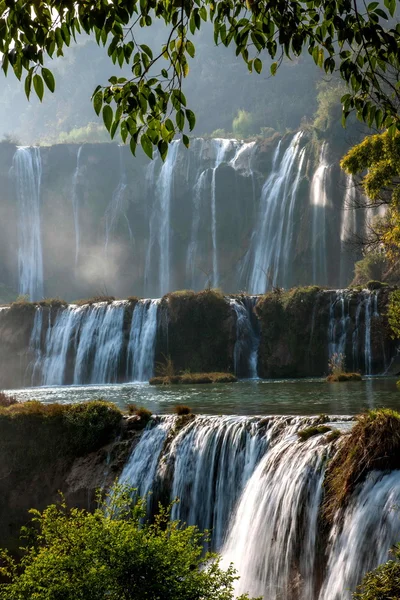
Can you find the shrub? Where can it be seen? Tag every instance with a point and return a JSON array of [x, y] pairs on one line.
[[144, 413], [243, 124], [131, 409], [6, 400], [372, 267], [114, 553], [181, 409], [305, 434], [373, 443], [384, 582], [165, 368], [336, 364], [53, 302]]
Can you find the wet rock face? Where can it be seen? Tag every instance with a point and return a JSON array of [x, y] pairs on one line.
[[197, 332]]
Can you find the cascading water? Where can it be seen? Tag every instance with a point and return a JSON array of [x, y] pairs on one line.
[[221, 147], [116, 208], [259, 490], [267, 241], [76, 202], [27, 171], [142, 340], [319, 203], [158, 250], [342, 327], [247, 337], [192, 253]]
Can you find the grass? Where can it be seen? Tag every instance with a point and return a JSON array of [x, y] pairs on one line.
[[308, 432], [56, 430], [194, 378], [373, 443]]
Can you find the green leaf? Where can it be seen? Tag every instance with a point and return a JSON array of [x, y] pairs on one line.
[[98, 101], [257, 65], [49, 79], [274, 68], [107, 116], [180, 119], [38, 85], [186, 140], [147, 50], [28, 83], [179, 96], [146, 145], [191, 119], [190, 48]]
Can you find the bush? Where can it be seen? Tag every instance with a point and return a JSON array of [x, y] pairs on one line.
[[144, 414], [370, 268], [6, 400], [181, 409], [372, 444], [113, 553], [243, 124], [384, 582]]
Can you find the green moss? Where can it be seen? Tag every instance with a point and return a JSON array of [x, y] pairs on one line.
[[333, 435], [372, 444], [194, 378], [305, 434], [336, 377], [95, 300]]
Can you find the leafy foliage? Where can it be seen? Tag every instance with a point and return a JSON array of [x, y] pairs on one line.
[[383, 582], [150, 107], [112, 554], [394, 312]]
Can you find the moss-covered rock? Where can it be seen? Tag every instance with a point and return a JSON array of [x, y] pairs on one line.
[[193, 378], [294, 328], [197, 332]]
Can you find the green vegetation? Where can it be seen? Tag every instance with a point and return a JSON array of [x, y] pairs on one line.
[[338, 371], [55, 431], [373, 443], [113, 553], [384, 582], [200, 330], [6, 400], [243, 124], [373, 266], [193, 378], [139, 411], [394, 313], [308, 432], [95, 300], [149, 105]]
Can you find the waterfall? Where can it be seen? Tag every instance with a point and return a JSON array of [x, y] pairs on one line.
[[222, 146], [247, 337], [371, 526], [267, 239], [319, 203], [35, 345], [338, 330], [75, 202], [142, 340], [116, 208], [259, 490], [109, 344], [158, 250], [27, 168]]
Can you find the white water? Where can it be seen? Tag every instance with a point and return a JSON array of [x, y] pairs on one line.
[[276, 198], [221, 147], [27, 170], [76, 203], [192, 257], [342, 327], [247, 337], [259, 490], [142, 340], [116, 208], [319, 203], [158, 250]]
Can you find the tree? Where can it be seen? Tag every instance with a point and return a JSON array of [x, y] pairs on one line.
[[151, 107], [112, 554], [379, 155]]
